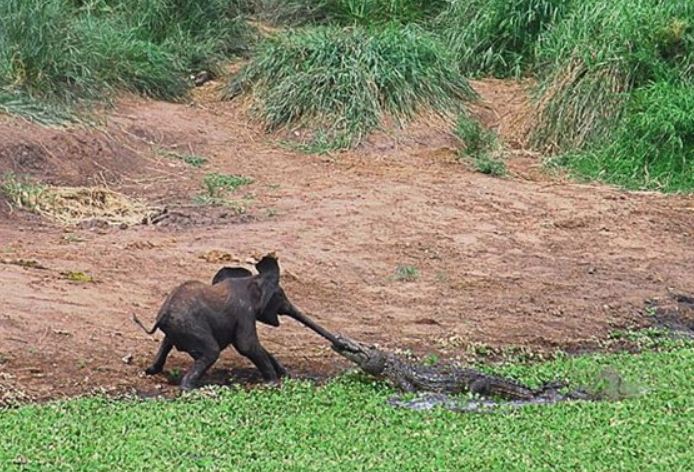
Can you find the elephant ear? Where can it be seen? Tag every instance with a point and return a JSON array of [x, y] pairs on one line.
[[268, 267], [267, 286], [231, 273]]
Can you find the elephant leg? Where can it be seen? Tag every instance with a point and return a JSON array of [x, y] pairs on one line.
[[160, 358], [247, 344], [203, 361], [259, 357], [279, 368]]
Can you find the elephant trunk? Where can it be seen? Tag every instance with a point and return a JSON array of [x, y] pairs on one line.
[[293, 312]]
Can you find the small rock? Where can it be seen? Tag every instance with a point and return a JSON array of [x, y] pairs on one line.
[[127, 359], [201, 77], [591, 270]]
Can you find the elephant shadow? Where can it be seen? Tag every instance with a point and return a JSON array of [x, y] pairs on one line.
[[243, 376]]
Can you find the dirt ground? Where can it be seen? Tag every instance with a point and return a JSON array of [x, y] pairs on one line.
[[528, 260]]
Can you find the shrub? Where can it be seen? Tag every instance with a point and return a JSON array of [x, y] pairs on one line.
[[497, 37], [598, 55], [479, 144], [64, 50], [345, 12], [340, 82], [653, 148]]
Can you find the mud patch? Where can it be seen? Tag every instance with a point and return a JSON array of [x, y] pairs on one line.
[[186, 217], [675, 313], [25, 157]]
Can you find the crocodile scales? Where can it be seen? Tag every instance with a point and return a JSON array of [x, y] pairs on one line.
[[410, 377]]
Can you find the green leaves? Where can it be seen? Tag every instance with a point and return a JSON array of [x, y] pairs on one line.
[[338, 84], [347, 425]]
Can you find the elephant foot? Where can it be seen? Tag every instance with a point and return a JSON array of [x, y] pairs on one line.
[[153, 370], [186, 386]]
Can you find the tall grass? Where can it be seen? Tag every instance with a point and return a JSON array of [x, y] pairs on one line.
[[598, 55], [345, 12], [368, 12], [653, 147], [616, 99], [288, 12], [340, 82], [61, 51], [497, 37]]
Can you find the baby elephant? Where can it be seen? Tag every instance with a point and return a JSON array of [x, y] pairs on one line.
[[203, 319]]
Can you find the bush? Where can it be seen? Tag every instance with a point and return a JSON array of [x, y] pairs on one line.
[[654, 146], [598, 55], [367, 12], [345, 12], [479, 144], [288, 12], [340, 82], [497, 37], [64, 50]]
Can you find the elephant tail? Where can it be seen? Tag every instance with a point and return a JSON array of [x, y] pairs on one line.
[[139, 323]]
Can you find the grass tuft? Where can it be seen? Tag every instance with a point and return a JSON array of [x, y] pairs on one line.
[[216, 184], [480, 145], [497, 37], [652, 148], [369, 12], [193, 160], [616, 98], [217, 190], [344, 12], [598, 55], [406, 273], [21, 191], [338, 83], [59, 52]]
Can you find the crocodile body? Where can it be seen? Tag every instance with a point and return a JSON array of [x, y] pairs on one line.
[[410, 377]]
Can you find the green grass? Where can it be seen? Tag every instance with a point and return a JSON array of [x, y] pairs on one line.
[[345, 12], [487, 164], [598, 55], [615, 71], [218, 188], [346, 425], [217, 184], [479, 146], [406, 273], [288, 12], [339, 83], [55, 53], [497, 37], [653, 147], [193, 160], [21, 191], [369, 12]]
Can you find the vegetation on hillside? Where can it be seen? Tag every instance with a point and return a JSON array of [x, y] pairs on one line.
[[340, 82], [618, 81], [614, 77], [57, 52], [498, 37]]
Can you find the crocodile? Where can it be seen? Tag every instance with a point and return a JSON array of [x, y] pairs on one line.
[[410, 377]]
